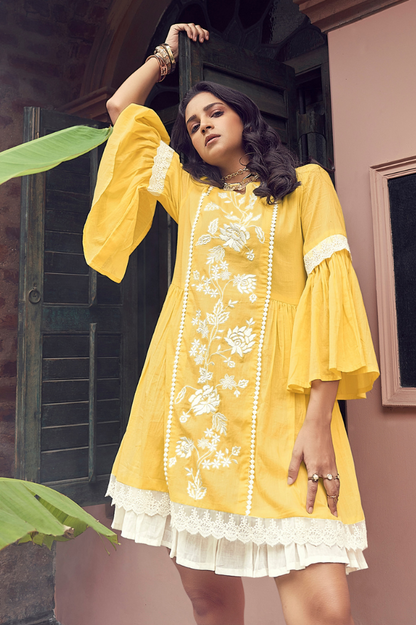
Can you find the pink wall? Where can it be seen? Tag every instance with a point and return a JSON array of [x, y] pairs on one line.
[[135, 585], [373, 87]]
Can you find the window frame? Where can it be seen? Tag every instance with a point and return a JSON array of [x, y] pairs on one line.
[[392, 393]]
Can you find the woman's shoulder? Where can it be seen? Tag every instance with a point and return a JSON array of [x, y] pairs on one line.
[[313, 176], [311, 170]]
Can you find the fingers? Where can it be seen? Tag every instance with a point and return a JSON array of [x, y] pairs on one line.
[[199, 33], [294, 466], [311, 495], [331, 485], [194, 31]]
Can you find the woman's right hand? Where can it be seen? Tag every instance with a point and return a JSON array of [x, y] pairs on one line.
[[193, 31]]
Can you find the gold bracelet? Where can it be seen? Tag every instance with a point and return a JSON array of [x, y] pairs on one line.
[[160, 51], [162, 65], [169, 51]]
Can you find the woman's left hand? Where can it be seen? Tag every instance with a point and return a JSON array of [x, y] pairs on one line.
[[194, 32], [314, 446]]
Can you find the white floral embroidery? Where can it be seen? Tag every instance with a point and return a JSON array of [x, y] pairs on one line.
[[184, 447], [161, 164], [235, 236], [260, 234], [324, 250], [211, 206], [219, 339], [250, 255], [245, 283], [172, 461], [219, 424], [195, 487], [204, 239], [213, 226], [204, 375], [228, 382], [241, 340], [205, 401], [184, 417], [215, 255]]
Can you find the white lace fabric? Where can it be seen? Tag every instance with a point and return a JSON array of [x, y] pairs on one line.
[[233, 544], [161, 163], [324, 250]]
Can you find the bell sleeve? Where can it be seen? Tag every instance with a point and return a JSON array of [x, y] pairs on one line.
[[331, 336], [138, 168]]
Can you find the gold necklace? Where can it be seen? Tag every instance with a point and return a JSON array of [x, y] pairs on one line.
[[240, 186], [236, 173]]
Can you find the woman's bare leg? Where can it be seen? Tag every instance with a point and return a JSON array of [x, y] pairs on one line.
[[216, 599], [317, 595]]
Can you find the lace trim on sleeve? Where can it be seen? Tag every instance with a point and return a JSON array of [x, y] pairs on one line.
[[160, 168], [324, 250]]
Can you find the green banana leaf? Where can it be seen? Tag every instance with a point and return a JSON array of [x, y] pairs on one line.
[[47, 152], [34, 512]]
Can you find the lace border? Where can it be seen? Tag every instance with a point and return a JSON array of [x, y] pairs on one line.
[[161, 163], [232, 527], [324, 250]]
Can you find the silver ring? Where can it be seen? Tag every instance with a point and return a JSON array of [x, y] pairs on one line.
[[314, 478]]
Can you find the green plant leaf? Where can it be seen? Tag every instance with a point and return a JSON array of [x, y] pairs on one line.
[[47, 152], [12, 528], [30, 511]]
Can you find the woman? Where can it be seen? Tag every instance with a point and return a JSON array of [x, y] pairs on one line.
[[235, 449]]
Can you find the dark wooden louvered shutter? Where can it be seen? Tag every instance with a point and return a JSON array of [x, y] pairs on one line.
[[270, 84], [77, 366]]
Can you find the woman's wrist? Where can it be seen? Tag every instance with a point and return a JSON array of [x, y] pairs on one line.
[[321, 402], [164, 56]]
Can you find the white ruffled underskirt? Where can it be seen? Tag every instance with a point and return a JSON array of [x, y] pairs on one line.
[[231, 544]]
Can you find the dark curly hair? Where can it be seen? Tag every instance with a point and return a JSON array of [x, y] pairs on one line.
[[269, 158]]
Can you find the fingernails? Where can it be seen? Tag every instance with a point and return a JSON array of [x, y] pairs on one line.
[[335, 513], [310, 509], [290, 480]]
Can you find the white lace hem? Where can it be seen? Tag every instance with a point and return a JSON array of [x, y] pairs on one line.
[[161, 163], [135, 504], [324, 250]]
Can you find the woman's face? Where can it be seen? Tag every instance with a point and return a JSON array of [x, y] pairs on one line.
[[216, 131]]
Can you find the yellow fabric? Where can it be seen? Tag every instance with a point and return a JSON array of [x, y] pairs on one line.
[[115, 227], [316, 328]]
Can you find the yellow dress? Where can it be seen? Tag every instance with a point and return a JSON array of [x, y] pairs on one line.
[[263, 300]]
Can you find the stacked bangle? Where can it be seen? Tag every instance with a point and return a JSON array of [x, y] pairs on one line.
[[165, 58]]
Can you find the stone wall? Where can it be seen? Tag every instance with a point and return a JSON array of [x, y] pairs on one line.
[[27, 585], [44, 48]]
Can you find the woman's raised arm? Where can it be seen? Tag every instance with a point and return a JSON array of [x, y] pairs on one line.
[[137, 87]]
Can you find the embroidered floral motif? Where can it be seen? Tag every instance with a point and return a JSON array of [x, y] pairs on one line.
[[324, 250], [241, 339], [161, 163], [216, 339]]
